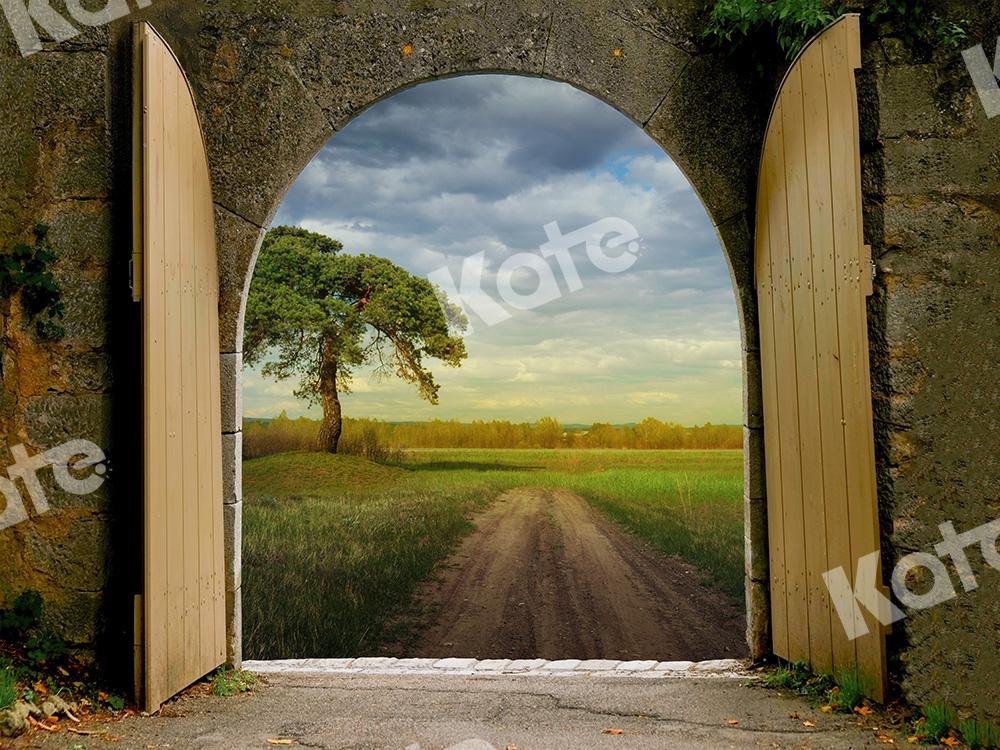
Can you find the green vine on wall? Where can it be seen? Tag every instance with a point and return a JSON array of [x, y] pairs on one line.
[[738, 24], [749, 26], [27, 269]]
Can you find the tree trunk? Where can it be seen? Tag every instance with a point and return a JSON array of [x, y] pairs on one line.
[[329, 431]]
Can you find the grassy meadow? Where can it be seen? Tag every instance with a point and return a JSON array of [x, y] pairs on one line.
[[333, 546]]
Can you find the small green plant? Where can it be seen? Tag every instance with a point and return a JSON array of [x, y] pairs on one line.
[[980, 734], [797, 677], [787, 676], [951, 33], [28, 269], [8, 688], [916, 25], [843, 692], [230, 682], [20, 623], [45, 648], [935, 723], [115, 702], [22, 615]]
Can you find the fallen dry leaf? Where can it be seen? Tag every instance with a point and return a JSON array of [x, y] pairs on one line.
[[826, 709], [863, 710], [614, 730], [407, 50], [793, 715], [885, 739], [950, 742], [41, 725], [913, 739], [280, 741], [511, 747], [809, 724], [733, 722]]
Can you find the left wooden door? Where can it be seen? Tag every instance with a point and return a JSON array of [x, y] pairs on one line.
[[175, 278]]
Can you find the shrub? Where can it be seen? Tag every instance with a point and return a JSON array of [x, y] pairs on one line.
[[791, 23], [279, 435], [364, 442]]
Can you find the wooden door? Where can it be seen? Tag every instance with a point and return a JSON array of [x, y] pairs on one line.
[[813, 278], [176, 279]]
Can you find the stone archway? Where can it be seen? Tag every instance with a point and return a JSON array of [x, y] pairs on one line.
[[274, 81]]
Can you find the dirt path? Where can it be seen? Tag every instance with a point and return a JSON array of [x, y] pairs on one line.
[[546, 576]]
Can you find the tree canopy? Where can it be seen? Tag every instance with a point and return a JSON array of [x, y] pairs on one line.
[[317, 313]]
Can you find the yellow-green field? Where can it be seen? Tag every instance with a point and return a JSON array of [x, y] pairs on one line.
[[334, 546]]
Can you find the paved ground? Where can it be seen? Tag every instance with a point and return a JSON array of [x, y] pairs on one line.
[[380, 712], [545, 575]]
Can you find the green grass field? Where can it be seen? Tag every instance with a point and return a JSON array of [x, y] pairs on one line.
[[333, 546]]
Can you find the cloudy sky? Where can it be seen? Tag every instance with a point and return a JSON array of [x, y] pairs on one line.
[[454, 168]]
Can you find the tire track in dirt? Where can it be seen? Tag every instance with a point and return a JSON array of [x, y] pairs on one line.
[[546, 576]]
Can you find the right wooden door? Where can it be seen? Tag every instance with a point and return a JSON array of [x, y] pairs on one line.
[[813, 277]]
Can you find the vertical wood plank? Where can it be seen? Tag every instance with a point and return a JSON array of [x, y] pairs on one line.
[[173, 352], [772, 423], [862, 509], [154, 367], [206, 499], [790, 468], [187, 393]]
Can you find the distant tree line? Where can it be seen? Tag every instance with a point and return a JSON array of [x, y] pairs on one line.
[[372, 438]]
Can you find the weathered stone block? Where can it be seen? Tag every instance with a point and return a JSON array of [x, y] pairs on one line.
[[706, 119], [56, 418], [754, 469], [232, 516], [231, 381], [753, 397], [234, 629], [906, 101], [87, 301], [232, 474], [238, 244], [59, 536], [756, 560], [758, 599], [605, 53], [737, 238], [965, 167], [82, 236]]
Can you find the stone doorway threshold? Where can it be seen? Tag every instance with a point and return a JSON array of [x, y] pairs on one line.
[[717, 668]]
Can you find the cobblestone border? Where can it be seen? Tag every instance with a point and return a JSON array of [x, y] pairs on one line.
[[727, 668]]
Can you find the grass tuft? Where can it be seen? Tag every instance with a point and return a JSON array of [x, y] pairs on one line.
[[936, 721], [8, 688], [850, 689], [980, 734]]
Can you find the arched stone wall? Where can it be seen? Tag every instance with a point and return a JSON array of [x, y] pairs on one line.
[[275, 80]]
